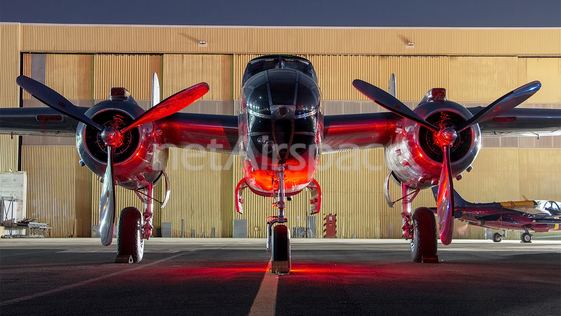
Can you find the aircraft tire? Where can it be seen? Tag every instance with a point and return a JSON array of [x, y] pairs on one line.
[[280, 256], [424, 234], [129, 241], [497, 237], [526, 238]]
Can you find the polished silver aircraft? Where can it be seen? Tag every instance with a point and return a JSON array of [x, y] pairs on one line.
[[280, 132]]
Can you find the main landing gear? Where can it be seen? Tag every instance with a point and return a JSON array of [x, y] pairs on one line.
[[526, 237], [420, 228], [130, 245], [423, 244], [133, 229], [497, 237], [278, 237]]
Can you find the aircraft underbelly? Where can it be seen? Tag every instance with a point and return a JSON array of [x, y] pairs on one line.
[[297, 175]]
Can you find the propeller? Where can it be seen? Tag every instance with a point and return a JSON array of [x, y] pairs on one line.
[[107, 202], [111, 136], [390, 103], [54, 100], [169, 106], [445, 136]]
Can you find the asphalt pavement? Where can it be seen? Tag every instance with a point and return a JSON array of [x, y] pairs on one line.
[[48, 276]]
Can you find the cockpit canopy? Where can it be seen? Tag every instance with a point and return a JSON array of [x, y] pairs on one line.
[[267, 62], [281, 88], [282, 106]]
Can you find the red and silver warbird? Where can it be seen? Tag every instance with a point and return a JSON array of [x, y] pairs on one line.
[[280, 133]]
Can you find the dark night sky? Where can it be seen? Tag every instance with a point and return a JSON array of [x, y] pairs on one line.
[[362, 13]]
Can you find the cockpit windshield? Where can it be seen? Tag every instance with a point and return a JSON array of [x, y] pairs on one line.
[[263, 63]]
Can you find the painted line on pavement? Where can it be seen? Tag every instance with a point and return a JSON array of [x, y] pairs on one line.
[[266, 299], [71, 286]]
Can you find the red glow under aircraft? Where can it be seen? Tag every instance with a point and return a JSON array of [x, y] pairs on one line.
[[280, 132]]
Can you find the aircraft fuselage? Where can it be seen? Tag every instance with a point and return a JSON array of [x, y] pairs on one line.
[[280, 123]]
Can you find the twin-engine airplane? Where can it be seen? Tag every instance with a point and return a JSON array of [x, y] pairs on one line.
[[280, 133], [536, 215]]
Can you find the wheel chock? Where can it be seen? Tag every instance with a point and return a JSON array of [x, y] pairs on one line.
[[124, 259], [429, 259]]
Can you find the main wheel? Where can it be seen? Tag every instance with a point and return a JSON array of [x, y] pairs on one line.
[[497, 237], [129, 242], [526, 237], [424, 234], [280, 257]]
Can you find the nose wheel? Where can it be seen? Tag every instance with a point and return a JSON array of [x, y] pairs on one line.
[[280, 255]]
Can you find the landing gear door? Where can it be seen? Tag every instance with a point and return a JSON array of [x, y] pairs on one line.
[[315, 199], [239, 199]]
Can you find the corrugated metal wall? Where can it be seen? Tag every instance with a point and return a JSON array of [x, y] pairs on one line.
[[70, 75], [475, 66], [182, 71], [58, 189], [202, 193], [546, 70], [133, 72], [482, 79], [10, 45], [328, 41]]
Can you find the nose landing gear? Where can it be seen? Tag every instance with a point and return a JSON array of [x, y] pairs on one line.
[[278, 237]]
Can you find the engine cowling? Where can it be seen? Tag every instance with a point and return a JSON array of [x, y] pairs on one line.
[[415, 157], [138, 159]]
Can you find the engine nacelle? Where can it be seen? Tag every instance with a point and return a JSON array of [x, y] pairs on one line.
[[415, 157], [137, 160]]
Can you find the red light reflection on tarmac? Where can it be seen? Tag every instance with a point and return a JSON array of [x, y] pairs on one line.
[[313, 271], [327, 273], [206, 270], [352, 273]]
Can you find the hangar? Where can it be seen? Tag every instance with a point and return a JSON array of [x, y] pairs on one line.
[[83, 62]]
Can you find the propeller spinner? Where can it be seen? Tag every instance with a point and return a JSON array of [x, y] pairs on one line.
[[445, 136], [112, 137]]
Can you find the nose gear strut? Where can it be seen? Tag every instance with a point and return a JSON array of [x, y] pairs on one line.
[[278, 237]]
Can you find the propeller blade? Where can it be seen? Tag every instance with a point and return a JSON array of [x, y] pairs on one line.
[[54, 100], [155, 99], [171, 105], [107, 202], [390, 103], [445, 208], [503, 104]]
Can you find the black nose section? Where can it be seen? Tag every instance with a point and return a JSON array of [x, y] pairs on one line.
[[281, 105], [282, 137]]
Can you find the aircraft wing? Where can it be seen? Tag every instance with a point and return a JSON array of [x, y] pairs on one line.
[[200, 131], [39, 121], [341, 132], [548, 221], [527, 207], [369, 130], [522, 122]]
